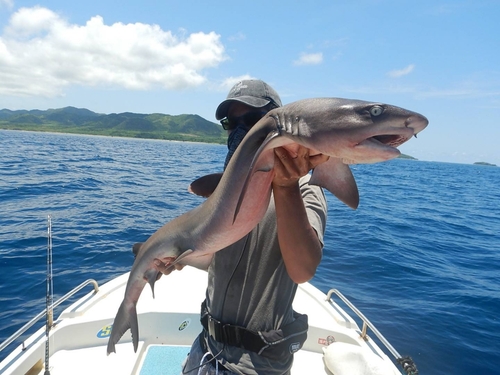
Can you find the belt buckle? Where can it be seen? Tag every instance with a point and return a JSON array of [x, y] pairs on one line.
[[215, 329]]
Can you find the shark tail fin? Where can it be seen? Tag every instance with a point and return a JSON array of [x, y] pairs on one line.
[[125, 318]]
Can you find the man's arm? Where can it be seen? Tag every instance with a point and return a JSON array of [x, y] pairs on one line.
[[300, 247]]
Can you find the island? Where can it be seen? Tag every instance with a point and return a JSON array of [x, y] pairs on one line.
[[484, 163], [404, 156], [135, 125]]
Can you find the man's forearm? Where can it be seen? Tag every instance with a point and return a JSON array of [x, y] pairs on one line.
[[299, 243]]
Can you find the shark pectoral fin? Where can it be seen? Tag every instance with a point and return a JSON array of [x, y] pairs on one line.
[[337, 178], [125, 318], [205, 186]]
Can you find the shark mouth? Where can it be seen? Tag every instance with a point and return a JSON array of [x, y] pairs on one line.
[[386, 141], [396, 136], [378, 148], [391, 140]]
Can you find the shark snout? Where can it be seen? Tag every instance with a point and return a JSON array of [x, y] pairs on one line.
[[417, 123]]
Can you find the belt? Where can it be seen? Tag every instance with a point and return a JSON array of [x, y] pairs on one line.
[[274, 344], [233, 335]]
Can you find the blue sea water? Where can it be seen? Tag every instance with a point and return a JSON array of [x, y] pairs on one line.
[[420, 257]]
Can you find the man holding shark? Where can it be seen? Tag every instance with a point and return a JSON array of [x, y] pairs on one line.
[[250, 326], [257, 247]]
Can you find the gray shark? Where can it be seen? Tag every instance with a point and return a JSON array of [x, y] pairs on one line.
[[348, 131]]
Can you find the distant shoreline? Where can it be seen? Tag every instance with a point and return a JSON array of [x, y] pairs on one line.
[[188, 139], [208, 141], [484, 163]]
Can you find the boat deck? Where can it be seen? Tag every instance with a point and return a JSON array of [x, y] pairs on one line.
[[168, 325]]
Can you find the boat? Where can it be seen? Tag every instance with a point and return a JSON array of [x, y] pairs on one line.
[[75, 342]]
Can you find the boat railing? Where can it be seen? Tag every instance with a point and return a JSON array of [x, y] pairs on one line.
[[44, 312], [406, 362]]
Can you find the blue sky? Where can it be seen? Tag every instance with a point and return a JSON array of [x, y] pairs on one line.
[[439, 58]]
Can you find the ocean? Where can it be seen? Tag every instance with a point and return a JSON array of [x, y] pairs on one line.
[[420, 257]]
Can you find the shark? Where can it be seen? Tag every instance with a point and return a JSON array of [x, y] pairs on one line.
[[348, 131]]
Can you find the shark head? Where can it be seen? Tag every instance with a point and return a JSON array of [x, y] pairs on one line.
[[351, 130], [382, 129]]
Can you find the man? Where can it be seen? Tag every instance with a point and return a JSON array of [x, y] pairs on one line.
[[250, 327]]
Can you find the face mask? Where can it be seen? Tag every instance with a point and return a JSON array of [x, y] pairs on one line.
[[234, 140]]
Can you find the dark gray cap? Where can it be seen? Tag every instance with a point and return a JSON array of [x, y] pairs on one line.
[[253, 92]]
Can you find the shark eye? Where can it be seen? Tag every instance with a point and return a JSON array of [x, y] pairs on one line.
[[376, 110]]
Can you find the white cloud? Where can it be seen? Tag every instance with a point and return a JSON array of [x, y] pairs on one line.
[[231, 81], [41, 54], [309, 59], [401, 72], [9, 4]]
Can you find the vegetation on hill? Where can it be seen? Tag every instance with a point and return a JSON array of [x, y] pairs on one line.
[[83, 121], [404, 156]]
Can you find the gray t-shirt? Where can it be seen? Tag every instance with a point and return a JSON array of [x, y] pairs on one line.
[[248, 285]]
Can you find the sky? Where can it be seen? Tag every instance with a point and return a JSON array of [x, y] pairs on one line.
[[438, 58]]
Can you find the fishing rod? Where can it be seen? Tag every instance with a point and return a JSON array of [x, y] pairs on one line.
[[49, 297]]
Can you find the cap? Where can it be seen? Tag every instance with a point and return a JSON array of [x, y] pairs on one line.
[[253, 92]]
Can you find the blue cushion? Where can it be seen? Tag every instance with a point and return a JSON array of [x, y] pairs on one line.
[[164, 359]]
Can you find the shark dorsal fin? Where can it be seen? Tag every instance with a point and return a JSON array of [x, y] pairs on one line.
[[205, 186]]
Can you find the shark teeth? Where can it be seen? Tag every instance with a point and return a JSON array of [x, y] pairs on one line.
[[387, 143], [349, 161], [393, 140]]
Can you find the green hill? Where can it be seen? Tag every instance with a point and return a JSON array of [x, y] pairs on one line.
[[83, 121], [485, 163], [404, 156]]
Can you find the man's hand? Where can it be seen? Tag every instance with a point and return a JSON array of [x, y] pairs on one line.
[[290, 166], [162, 265], [166, 268]]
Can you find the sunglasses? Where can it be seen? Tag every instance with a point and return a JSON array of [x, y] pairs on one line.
[[248, 120]]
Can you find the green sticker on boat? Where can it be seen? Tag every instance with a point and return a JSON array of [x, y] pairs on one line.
[[184, 324]]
